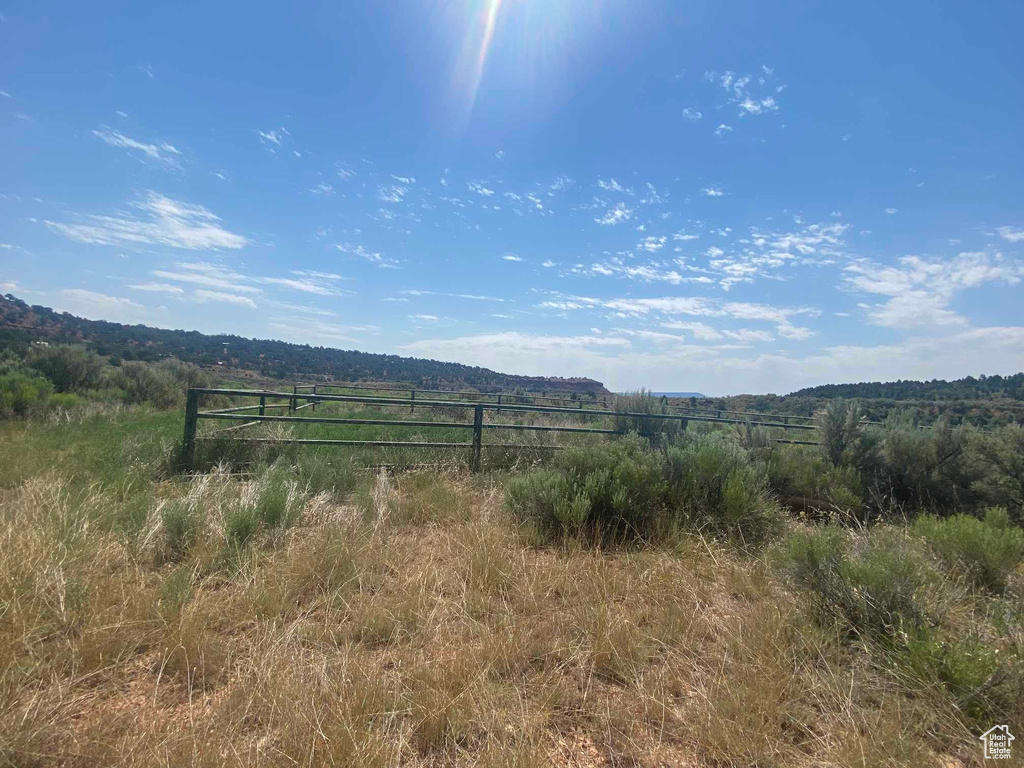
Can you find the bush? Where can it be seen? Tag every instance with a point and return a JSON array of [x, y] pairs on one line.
[[626, 490], [70, 368], [873, 593], [988, 551], [1000, 460], [925, 469], [839, 429], [711, 483], [614, 489], [643, 402], [163, 384], [22, 394]]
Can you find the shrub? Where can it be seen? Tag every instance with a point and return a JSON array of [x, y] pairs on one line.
[[711, 482], [643, 402], [1000, 459], [626, 490], [874, 592], [839, 428], [614, 489], [163, 384], [22, 394], [989, 550], [925, 468], [70, 368]]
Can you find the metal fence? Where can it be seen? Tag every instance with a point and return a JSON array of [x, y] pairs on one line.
[[250, 415]]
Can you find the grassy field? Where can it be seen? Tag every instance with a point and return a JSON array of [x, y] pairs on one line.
[[297, 609]]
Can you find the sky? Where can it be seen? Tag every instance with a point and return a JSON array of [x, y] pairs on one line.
[[722, 197]]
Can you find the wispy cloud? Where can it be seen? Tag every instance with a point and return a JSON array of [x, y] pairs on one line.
[[512, 257], [722, 130], [163, 152], [159, 288], [203, 295], [1011, 235], [392, 193], [691, 114], [615, 215], [168, 222], [712, 192]]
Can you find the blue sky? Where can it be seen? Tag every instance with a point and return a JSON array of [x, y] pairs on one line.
[[716, 196]]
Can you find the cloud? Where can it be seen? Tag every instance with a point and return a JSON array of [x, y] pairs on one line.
[[100, 306], [425, 318], [270, 137], [712, 192], [652, 244], [610, 186], [891, 211], [227, 298], [717, 370], [1011, 235], [616, 215], [548, 263], [164, 153], [362, 252], [167, 222], [322, 189], [500, 154], [303, 285], [722, 129], [158, 288], [392, 193], [480, 189], [208, 276], [306, 330], [403, 179], [920, 290], [512, 257], [754, 95], [692, 114]]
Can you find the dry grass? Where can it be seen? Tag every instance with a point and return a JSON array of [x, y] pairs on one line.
[[415, 626]]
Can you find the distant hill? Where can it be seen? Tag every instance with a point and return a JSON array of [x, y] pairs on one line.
[[968, 388], [21, 324], [678, 394]]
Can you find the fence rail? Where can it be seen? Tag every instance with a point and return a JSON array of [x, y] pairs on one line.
[[312, 398]]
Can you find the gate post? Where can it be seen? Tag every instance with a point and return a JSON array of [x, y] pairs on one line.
[[263, 405], [478, 429], [412, 396]]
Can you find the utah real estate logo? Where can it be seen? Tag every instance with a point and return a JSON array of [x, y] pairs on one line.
[[997, 742]]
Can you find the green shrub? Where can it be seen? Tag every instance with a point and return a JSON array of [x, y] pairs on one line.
[[988, 551], [69, 367], [22, 394], [874, 593], [1000, 461], [624, 489], [925, 469], [162, 384], [643, 402], [711, 483], [611, 490], [839, 428]]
